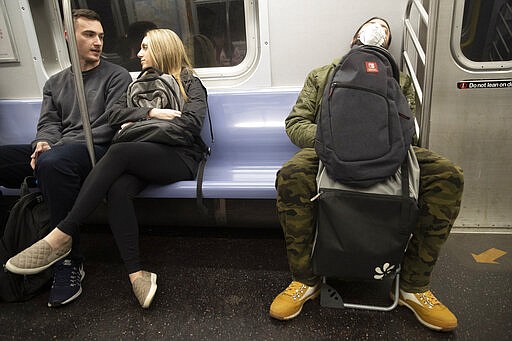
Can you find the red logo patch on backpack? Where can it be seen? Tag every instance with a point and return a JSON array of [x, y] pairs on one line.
[[371, 67]]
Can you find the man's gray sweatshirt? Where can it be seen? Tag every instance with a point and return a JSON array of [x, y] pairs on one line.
[[60, 120]]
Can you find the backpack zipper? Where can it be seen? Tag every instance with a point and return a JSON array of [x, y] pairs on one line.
[[348, 86]]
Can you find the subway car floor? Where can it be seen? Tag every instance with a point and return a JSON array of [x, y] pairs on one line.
[[217, 284]]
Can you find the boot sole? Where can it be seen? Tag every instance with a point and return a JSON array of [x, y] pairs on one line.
[[151, 293], [423, 322]]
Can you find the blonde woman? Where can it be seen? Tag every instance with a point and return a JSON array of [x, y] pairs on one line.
[[128, 167]]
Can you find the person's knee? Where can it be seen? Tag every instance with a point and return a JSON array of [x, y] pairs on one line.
[[62, 166], [442, 185], [46, 162], [292, 175], [295, 186], [300, 167], [454, 177], [286, 173]]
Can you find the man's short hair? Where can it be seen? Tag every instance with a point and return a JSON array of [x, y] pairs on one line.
[[85, 13]]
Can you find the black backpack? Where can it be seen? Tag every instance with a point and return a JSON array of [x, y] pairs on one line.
[[365, 125], [154, 89], [29, 221]]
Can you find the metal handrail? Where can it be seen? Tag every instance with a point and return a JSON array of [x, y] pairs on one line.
[[79, 84], [415, 40], [423, 90], [423, 13], [414, 78], [410, 33]]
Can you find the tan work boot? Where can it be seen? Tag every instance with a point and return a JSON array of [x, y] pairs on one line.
[[288, 303], [428, 310]]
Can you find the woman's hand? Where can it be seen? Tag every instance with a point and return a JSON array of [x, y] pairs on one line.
[[163, 114], [124, 125]]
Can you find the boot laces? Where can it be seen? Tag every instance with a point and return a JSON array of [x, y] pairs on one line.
[[428, 298], [295, 290]]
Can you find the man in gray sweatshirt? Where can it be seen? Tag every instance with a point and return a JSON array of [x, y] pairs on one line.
[[59, 155]]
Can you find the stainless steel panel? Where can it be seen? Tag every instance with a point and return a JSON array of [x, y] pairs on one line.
[[472, 128]]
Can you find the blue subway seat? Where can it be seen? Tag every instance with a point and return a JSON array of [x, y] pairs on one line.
[[18, 120], [249, 147]]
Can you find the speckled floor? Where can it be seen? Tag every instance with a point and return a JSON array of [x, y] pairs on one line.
[[217, 284]]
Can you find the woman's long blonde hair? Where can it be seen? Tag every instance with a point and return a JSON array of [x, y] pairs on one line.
[[168, 52]]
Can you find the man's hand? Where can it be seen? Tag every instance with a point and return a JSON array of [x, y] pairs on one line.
[[41, 147]]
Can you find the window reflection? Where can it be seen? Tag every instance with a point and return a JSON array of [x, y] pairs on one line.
[[213, 30], [224, 27], [487, 30]]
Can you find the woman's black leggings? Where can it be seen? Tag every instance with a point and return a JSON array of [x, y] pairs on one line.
[[119, 176]]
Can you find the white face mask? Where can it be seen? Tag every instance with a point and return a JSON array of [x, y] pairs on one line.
[[373, 34]]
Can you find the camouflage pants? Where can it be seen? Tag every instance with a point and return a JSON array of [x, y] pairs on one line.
[[441, 185]]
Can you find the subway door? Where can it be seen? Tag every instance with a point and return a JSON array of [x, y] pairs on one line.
[[471, 101]]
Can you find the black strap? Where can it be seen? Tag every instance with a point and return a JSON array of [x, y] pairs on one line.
[[404, 214], [200, 171], [199, 189], [211, 127]]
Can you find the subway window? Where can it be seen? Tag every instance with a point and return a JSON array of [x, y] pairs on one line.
[[486, 34], [213, 31]]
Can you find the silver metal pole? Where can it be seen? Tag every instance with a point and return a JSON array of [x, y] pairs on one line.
[[79, 84]]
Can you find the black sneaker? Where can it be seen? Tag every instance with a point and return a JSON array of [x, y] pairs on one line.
[[67, 282]]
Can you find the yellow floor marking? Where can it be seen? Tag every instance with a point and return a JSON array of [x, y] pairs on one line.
[[489, 256]]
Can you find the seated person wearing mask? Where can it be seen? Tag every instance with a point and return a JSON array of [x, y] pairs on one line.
[[441, 185]]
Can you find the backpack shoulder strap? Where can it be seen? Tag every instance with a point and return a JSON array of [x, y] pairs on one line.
[[206, 153]]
